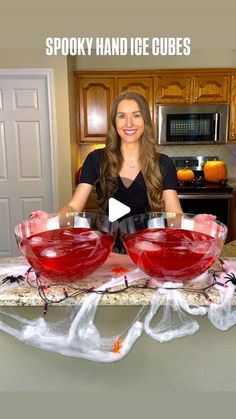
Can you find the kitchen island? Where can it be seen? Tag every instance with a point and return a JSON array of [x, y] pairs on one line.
[[229, 250], [204, 361], [24, 295]]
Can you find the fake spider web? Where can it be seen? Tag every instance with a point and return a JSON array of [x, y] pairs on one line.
[[78, 336]]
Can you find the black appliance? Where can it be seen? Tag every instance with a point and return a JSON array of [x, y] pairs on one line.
[[200, 196]]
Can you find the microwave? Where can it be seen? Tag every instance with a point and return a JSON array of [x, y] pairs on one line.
[[192, 124]]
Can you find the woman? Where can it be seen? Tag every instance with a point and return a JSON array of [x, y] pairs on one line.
[[129, 168]]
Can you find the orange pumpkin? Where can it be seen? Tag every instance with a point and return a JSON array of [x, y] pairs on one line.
[[185, 175], [215, 171]]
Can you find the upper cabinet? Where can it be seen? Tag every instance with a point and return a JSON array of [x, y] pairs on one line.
[[96, 91], [173, 89], [139, 84], [210, 89], [232, 120], [176, 88], [93, 104]]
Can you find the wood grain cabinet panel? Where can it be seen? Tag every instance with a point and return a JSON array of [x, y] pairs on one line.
[[173, 89], [211, 89], [96, 96], [96, 91], [139, 84], [232, 121]]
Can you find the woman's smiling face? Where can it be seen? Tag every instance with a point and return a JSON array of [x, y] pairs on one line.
[[129, 121]]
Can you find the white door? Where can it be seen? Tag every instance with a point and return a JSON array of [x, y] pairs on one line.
[[26, 153]]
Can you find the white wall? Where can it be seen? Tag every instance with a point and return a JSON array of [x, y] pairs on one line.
[[198, 58], [64, 96], [37, 59]]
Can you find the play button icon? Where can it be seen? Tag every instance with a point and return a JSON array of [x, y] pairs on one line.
[[116, 209]]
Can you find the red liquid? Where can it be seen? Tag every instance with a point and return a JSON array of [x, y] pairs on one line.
[[172, 254], [67, 254]]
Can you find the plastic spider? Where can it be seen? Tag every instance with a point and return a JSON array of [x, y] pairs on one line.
[[231, 277], [13, 279]]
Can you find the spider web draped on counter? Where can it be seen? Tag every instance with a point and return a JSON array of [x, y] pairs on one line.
[[78, 336]]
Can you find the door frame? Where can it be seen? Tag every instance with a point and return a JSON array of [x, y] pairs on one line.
[[48, 75]]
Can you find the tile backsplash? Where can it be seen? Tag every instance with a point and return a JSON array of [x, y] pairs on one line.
[[226, 152]]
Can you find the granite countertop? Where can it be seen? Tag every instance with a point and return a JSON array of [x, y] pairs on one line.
[[229, 250], [23, 294]]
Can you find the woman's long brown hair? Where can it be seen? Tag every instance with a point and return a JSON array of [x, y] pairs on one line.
[[112, 158]]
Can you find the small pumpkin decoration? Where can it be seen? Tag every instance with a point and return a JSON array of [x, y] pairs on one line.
[[215, 171], [185, 175]]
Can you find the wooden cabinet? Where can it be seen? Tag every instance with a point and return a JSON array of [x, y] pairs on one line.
[[210, 89], [173, 89], [176, 89], [96, 90], [139, 84], [95, 96], [92, 203], [232, 117]]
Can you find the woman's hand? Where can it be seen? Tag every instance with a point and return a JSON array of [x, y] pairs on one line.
[[201, 218], [38, 213], [38, 221], [207, 224]]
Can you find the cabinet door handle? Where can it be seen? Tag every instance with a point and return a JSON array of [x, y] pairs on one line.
[[216, 126], [232, 130], [196, 97], [187, 98]]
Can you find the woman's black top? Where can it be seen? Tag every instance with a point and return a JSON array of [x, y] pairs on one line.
[[135, 196]]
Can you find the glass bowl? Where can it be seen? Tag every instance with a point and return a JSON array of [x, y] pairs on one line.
[[172, 246], [66, 247]]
